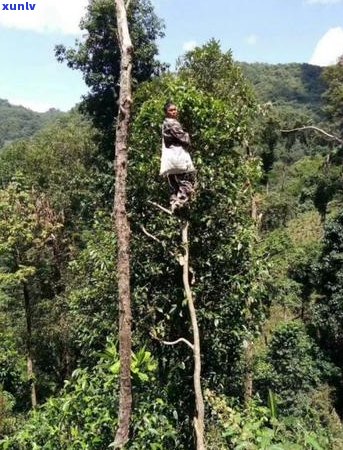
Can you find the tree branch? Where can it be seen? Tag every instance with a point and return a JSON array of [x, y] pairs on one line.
[[318, 130], [151, 236], [183, 259], [162, 208], [185, 341], [199, 425], [191, 346], [154, 238]]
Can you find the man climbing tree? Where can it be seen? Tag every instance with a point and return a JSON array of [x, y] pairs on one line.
[[176, 162]]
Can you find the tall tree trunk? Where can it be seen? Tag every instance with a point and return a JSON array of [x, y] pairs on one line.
[[122, 226], [29, 357], [199, 401]]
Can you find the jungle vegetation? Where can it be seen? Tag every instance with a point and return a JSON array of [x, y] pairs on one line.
[[266, 250]]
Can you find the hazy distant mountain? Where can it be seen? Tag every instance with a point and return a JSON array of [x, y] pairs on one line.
[[17, 122]]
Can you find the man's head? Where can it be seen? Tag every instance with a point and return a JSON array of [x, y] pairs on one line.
[[170, 110]]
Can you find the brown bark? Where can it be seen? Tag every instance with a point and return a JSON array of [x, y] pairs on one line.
[[29, 357], [122, 227], [199, 426]]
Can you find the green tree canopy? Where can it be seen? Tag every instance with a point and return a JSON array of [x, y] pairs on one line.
[[97, 56], [333, 75]]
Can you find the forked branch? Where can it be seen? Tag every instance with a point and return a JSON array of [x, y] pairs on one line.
[[199, 418], [332, 137], [183, 259]]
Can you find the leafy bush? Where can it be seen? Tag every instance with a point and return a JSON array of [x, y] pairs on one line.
[[293, 367], [258, 427], [85, 415]]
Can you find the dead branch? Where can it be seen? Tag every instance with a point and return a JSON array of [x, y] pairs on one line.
[[162, 208], [191, 346], [151, 236], [318, 130], [185, 341]]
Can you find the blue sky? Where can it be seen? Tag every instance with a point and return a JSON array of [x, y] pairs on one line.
[[273, 31]]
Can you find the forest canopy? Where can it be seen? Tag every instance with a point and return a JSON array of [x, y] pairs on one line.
[[265, 251], [17, 122]]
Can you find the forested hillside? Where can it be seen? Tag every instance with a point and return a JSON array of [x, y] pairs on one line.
[[17, 122], [265, 243], [299, 84]]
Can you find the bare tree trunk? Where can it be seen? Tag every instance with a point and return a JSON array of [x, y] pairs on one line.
[[122, 227], [29, 358], [199, 401]]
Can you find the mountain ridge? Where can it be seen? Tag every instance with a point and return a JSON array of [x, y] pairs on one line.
[[19, 122]]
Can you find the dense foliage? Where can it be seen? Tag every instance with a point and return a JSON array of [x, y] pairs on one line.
[[266, 234], [97, 56], [17, 122], [300, 86]]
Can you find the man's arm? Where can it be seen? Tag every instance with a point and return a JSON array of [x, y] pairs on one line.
[[177, 132]]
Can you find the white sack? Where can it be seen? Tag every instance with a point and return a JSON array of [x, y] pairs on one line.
[[175, 159]]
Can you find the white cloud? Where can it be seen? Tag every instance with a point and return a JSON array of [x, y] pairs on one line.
[[328, 48], [48, 16], [251, 39], [189, 45], [322, 2]]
